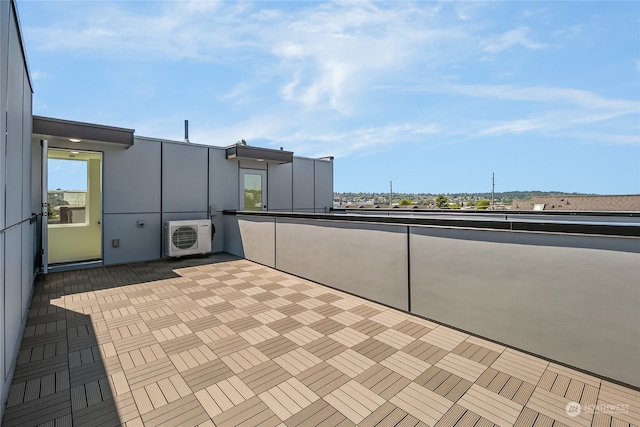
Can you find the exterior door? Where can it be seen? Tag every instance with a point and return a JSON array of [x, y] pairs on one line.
[[253, 190], [74, 206], [45, 203]]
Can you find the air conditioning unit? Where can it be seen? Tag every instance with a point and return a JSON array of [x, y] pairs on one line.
[[187, 237]]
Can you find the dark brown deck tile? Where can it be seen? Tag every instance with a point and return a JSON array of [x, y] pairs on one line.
[[327, 326], [38, 411], [325, 348], [264, 376], [181, 412], [206, 374], [250, 413], [374, 349], [316, 414], [277, 346], [382, 381], [323, 379]]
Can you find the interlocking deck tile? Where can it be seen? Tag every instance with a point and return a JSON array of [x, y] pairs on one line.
[[354, 400], [244, 359], [555, 407], [476, 353], [444, 338], [461, 366], [303, 335], [269, 316], [297, 361], [383, 381], [490, 405], [319, 413], [388, 318], [223, 395], [520, 365], [348, 337], [258, 335], [350, 362], [250, 413], [323, 378], [619, 402], [369, 327], [288, 398], [412, 328], [193, 357], [374, 349], [311, 303], [424, 351], [422, 403], [405, 364], [264, 376]]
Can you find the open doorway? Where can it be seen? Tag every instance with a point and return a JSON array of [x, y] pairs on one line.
[[74, 211]]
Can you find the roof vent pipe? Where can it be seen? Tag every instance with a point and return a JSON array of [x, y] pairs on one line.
[[186, 131]]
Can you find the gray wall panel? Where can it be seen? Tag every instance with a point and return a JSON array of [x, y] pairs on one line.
[[26, 265], [258, 239], [26, 149], [4, 385], [352, 257], [303, 187], [136, 244], [132, 178], [553, 295], [12, 294], [184, 178], [223, 184], [323, 185], [15, 112], [280, 187]]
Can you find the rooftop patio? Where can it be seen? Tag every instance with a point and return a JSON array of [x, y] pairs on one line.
[[224, 341]]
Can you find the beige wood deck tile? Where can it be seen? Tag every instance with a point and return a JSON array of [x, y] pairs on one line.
[[350, 363], [348, 337], [619, 402], [303, 335], [405, 364], [311, 303], [444, 337], [520, 365], [572, 373], [258, 335], [389, 318], [461, 366], [354, 400], [288, 398], [490, 405], [142, 400], [214, 334], [269, 316], [422, 403], [555, 407], [297, 361], [395, 338], [307, 317], [244, 359]]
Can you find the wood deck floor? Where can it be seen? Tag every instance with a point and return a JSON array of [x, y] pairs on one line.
[[223, 341]]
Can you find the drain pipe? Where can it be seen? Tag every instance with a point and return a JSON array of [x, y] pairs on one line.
[[186, 131]]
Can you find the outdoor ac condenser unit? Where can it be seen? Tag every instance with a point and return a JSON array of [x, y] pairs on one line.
[[187, 237]]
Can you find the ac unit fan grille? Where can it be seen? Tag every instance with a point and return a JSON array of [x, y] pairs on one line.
[[184, 237]]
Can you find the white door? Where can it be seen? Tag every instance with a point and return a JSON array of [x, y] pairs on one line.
[[253, 190]]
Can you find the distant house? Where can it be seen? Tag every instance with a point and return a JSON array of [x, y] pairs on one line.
[[627, 203]]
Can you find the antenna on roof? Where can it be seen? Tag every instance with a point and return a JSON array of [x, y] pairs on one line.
[[186, 131]]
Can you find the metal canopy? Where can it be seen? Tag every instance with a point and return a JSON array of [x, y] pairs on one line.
[[259, 154], [48, 126]]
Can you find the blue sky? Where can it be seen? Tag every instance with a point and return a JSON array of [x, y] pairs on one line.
[[435, 96]]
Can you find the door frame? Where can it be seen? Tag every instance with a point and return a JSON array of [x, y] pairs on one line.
[[263, 174]]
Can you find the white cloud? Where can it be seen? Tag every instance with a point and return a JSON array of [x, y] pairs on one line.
[[519, 36]]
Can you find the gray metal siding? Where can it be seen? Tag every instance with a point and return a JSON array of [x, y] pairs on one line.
[[136, 243], [280, 187], [323, 185], [132, 178], [303, 185], [223, 181], [184, 178]]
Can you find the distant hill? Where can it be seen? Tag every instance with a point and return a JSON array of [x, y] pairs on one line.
[[505, 197]]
